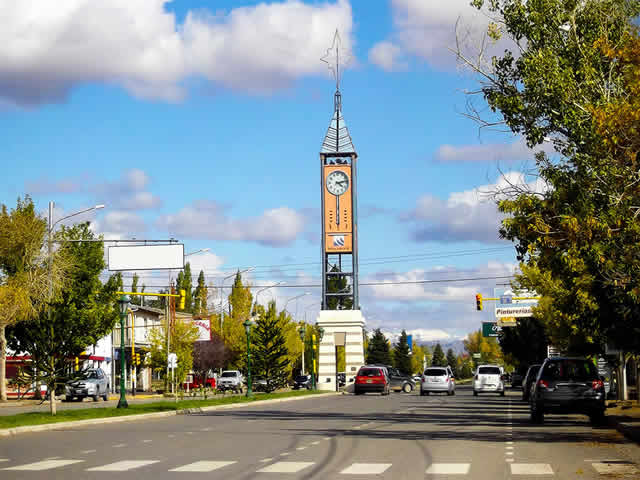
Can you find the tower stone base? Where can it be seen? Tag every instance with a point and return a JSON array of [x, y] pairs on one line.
[[341, 327]]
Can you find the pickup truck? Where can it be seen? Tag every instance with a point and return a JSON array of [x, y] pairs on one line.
[[231, 380]]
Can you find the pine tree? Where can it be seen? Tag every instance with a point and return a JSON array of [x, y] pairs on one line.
[[378, 349], [335, 284], [401, 357], [438, 360], [200, 296], [452, 361], [269, 350], [135, 299]]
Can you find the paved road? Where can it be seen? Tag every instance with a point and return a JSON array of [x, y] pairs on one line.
[[395, 437]]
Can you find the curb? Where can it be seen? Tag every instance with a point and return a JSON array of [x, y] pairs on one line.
[[7, 432], [630, 430]]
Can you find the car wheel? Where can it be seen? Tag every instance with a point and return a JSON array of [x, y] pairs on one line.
[[537, 415], [68, 398], [475, 394], [448, 393], [453, 392], [407, 388], [426, 393], [421, 393]]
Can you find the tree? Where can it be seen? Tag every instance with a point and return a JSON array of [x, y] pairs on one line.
[[524, 344], [269, 350], [135, 299], [572, 82], [183, 334], [85, 311], [452, 361], [378, 349], [185, 282], [439, 360], [338, 284], [401, 357], [488, 348], [466, 367], [417, 358], [28, 279], [200, 306], [209, 355]]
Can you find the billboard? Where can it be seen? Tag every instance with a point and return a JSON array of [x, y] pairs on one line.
[[204, 329], [514, 304], [146, 257]]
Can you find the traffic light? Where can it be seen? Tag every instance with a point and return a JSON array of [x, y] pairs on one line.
[[478, 301], [77, 364], [137, 359], [183, 293]]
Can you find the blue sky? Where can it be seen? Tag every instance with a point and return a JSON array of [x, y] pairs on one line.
[[203, 120]]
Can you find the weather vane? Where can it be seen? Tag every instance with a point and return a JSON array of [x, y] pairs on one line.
[[336, 58]]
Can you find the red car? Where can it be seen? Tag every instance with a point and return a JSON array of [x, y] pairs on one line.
[[196, 382], [372, 379]]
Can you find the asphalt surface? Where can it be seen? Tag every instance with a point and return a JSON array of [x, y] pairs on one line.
[[394, 437]]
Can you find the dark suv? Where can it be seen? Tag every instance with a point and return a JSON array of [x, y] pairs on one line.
[[568, 385], [399, 381], [529, 379]]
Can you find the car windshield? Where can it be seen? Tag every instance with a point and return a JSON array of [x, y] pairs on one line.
[[301, 378], [488, 371], [435, 372], [228, 374], [569, 370], [369, 372], [91, 375]]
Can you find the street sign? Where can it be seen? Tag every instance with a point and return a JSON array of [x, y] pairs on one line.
[[507, 322], [514, 303], [477, 355], [172, 360], [490, 329]]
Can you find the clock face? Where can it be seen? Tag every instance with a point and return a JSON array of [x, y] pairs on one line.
[[337, 182]]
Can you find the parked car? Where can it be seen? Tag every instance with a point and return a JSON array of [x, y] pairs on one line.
[[372, 379], [231, 380], [529, 379], [95, 384], [417, 378], [197, 382], [302, 381], [437, 380], [488, 378], [568, 385], [259, 384], [399, 381]]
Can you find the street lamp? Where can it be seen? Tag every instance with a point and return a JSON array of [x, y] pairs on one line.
[[247, 328], [294, 298], [302, 330], [123, 303]]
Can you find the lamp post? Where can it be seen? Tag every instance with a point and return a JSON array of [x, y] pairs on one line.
[[301, 331], [247, 328], [123, 303]]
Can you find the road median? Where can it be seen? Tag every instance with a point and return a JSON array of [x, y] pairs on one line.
[[39, 422]]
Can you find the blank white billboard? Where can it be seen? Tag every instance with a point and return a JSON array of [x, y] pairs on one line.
[[146, 257]]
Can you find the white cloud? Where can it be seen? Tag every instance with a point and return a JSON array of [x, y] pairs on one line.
[[128, 192], [427, 29], [276, 227], [497, 152], [117, 223], [48, 48], [468, 215], [387, 56]]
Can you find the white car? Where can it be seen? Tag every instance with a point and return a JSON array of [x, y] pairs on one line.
[[488, 378], [438, 380]]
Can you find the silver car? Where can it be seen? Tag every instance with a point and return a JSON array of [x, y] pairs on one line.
[[438, 379], [95, 384]]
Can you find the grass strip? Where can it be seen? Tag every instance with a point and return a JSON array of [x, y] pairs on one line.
[[40, 418]]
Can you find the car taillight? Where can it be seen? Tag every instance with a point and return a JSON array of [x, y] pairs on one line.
[[543, 384], [597, 384]]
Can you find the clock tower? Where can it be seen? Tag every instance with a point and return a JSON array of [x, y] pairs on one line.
[[338, 160]]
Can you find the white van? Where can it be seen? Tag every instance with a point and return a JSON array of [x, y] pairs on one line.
[[488, 378]]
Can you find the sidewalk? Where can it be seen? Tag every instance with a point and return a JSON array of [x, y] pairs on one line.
[[624, 416]]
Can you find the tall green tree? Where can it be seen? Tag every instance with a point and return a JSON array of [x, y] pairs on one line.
[[269, 350], [378, 351], [135, 299], [200, 296], [452, 361], [184, 282], [29, 279], [401, 357], [85, 311], [439, 360], [578, 238]]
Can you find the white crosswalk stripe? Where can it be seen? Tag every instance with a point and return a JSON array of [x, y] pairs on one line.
[[122, 466], [286, 467], [615, 468], [202, 466], [448, 469], [44, 465], [531, 469], [366, 469]]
